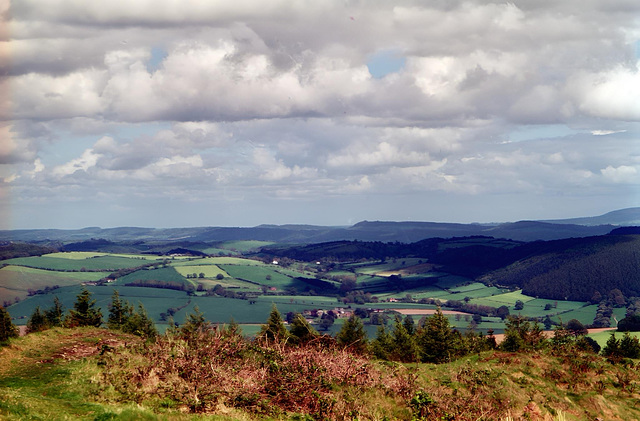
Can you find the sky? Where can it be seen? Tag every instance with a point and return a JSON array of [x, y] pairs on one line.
[[174, 113]]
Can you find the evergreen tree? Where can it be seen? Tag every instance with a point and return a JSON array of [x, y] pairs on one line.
[[194, 323], [382, 345], [119, 311], [139, 323], [520, 335], [84, 312], [405, 348], [352, 335], [629, 346], [436, 339], [7, 328], [55, 315], [612, 347], [233, 328], [301, 331], [37, 321], [409, 325], [274, 329]]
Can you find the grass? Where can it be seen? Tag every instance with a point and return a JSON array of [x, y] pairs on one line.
[[100, 263], [263, 275], [59, 374], [244, 245], [15, 281], [209, 271], [43, 376], [166, 275]]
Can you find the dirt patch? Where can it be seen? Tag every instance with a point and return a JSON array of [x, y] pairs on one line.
[[422, 311], [82, 345], [549, 333], [80, 350]]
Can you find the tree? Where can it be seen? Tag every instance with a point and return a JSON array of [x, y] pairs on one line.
[[139, 323], [629, 324], [37, 321], [352, 335], [435, 339], [326, 322], [219, 277], [301, 331], [520, 334], [612, 347], [119, 311], [405, 348], [274, 329], [84, 312], [382, 345], [576, 327], [55, 315], [519, 305], [409, 325], [7, 328], [502, 312], [195, 322], [629, 346]]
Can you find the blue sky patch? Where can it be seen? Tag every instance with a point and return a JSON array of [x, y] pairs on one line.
[[158, 54], [385, 62]]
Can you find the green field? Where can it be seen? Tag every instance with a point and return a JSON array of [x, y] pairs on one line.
[[209, 271], [264, 282], [162, 275], [15, 281], [104, 263]]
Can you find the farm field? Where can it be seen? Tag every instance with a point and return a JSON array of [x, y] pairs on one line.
[[16, 281], [265, 284], [60, 263]]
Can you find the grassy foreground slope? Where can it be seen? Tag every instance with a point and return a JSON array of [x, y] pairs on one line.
[[95, 374]]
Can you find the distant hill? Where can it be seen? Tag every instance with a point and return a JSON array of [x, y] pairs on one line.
[[622, 217], [386, 231], [573, 269]]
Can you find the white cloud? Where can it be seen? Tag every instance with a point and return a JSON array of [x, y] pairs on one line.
[[621, 174], [88, 160], [613, 94], [277, 100]]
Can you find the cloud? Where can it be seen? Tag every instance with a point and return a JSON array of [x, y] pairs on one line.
[[230, 100], [83, 163], [621, 174]]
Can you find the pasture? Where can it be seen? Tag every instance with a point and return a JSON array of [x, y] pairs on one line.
[[105, 263], [266, 282], [16, 281]]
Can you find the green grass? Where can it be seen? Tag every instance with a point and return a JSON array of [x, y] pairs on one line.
[[245, 245], [209, 271], [234, 261], [15, 281], [259, 274], [603, 337], [167, 275], [154, 300], [474, 286], [101, 263]]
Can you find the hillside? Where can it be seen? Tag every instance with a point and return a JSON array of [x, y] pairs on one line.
[[88, 373], [384, 231], [574, 269]]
